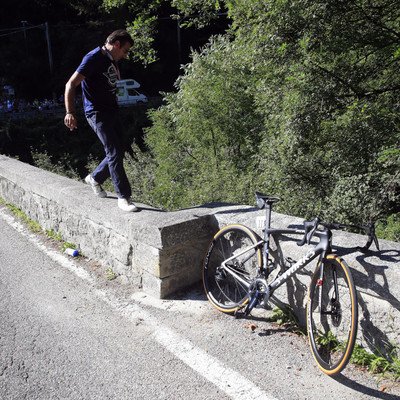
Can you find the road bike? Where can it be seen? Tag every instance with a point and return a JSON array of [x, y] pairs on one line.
[[237, 275]]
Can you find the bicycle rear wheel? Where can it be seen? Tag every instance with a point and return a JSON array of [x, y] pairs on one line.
[[227, 287], [332, 330]]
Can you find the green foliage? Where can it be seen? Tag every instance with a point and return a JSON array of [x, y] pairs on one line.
[[145, 15], [45, 142], [61, 167], [203, 139], [56, 236], [301, 102], [328, 340], [33, 225], [378, 363], [389, 228], [67, 245], [284, 316], [110, 274], [140, 169], [142, 31]]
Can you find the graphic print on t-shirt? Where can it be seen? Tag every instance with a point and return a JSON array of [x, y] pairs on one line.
[[112, 76]]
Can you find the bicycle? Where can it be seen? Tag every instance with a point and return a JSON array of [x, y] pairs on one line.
[[237, 274]]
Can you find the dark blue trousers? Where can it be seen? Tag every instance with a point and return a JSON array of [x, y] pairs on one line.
[[108, 128]]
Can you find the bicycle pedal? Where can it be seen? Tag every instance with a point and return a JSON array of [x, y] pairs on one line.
[[237, 312]]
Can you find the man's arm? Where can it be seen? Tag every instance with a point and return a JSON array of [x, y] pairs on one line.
[[69, 98]]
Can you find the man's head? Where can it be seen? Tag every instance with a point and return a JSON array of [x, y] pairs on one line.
[[119, 43]]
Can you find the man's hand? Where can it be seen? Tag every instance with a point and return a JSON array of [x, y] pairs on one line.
[[69, 96], [70, 121]]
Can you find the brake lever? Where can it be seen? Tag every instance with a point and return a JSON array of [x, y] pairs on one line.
[[370, 231], [309, 229]]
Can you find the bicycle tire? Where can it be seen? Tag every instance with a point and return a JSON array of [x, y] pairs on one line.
[[332, 333], [223, 290]]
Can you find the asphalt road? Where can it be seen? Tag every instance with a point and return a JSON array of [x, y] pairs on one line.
[[66, 332]]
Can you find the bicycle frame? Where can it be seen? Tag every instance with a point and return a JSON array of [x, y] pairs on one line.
[[320, 249]]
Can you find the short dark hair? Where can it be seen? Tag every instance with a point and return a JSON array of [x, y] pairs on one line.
[[121, 35]]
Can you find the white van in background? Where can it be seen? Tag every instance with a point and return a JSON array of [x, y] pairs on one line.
[[127, 93]]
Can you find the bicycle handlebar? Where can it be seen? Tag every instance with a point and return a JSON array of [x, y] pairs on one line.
[[311, 226]]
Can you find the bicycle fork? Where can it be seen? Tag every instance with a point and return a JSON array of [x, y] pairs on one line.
[[333, 307]]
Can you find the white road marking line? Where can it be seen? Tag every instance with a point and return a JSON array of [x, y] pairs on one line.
[[53, 254], [231, 382]]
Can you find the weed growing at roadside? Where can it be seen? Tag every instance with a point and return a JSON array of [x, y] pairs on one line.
[[284, 316], [67, 245], [35, 227], [53, 235], [376, 363], [110, 274]]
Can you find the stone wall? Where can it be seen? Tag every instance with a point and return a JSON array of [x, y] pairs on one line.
[[162, 252]]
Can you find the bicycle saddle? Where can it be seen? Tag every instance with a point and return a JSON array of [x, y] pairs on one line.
[[269, 199], [263, 199]]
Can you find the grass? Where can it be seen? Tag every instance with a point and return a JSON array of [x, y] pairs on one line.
[[110, 274], [35, 227], [55, 236]]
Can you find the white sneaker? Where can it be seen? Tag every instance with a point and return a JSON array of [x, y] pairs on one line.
[[126, 205], [97, 189]]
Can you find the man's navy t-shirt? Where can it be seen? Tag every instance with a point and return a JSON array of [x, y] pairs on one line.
[[99, 86]]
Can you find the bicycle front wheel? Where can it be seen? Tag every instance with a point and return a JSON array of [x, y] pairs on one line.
[[332, 315], [232, 262]]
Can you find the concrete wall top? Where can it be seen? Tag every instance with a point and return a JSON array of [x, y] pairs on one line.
[[152, 226]]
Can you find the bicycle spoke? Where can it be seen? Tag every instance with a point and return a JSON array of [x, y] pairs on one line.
[[230, 266]]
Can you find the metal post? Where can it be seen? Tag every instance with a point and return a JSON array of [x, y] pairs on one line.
[[23, 25], [46, 27]]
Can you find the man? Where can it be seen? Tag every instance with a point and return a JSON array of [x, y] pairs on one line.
[[98, 74]]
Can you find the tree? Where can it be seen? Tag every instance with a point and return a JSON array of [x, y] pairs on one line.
[[332, 68], [147, 14], [207, 134], [323, 77]]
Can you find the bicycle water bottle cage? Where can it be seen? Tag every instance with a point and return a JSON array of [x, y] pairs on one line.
[[309, 229]]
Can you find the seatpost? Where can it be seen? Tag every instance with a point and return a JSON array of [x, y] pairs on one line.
[[267, 215], [267, 227]]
